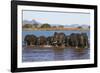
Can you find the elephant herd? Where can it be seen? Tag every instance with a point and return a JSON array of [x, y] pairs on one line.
[[77, 40]]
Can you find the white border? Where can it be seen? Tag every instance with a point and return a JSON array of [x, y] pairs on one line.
[[52, 63]]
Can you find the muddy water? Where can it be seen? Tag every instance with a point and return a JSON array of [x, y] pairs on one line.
[[32, 55]]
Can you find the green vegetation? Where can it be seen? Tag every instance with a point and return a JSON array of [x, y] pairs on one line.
[[46, 25], [27, 26], [35, 25], [79, 27]]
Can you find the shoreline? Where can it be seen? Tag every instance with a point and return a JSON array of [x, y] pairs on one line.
[[54, 29], [51, 47]]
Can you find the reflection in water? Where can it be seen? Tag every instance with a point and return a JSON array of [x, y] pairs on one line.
[[54, 54], [58, 53]]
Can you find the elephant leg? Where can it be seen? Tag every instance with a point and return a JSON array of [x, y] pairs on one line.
[[28, 43], [76, 45], [87, 44]]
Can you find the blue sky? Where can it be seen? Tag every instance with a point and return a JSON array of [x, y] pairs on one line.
[[61, 18]]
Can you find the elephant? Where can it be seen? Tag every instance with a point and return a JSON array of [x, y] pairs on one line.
[[77, 40], [84, 40], [55, 39], [50, 40], [30, 40], [74, 39], [58, 39], [61, 40], [67, 41], [41, 40]]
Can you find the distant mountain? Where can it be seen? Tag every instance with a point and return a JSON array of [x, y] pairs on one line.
[[85, 26], [55, 24], [66, 25], [26, 22], [30, 22], [71, 25], [37, 24]]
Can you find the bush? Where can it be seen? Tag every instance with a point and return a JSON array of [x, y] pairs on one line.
[[61, 26], [46, 25], [79, 27], [27, 26]]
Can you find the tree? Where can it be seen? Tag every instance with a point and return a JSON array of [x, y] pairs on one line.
[[79, 27], [27, 26], [61, 26], [35, 25], [46, 25], [54, 27], [89, 27]]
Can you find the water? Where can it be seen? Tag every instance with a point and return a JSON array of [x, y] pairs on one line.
[[53, 54]]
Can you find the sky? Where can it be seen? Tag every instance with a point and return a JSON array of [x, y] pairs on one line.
[[61, 18]]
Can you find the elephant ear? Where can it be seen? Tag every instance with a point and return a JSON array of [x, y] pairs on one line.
[[26, 37]]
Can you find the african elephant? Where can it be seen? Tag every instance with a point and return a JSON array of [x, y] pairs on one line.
[[74, 39], [58, 39], [41, 40], [30, 40], [61, 40], [50, 40], [55, 39], [84, 40], [67, 41], [77, 40]]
